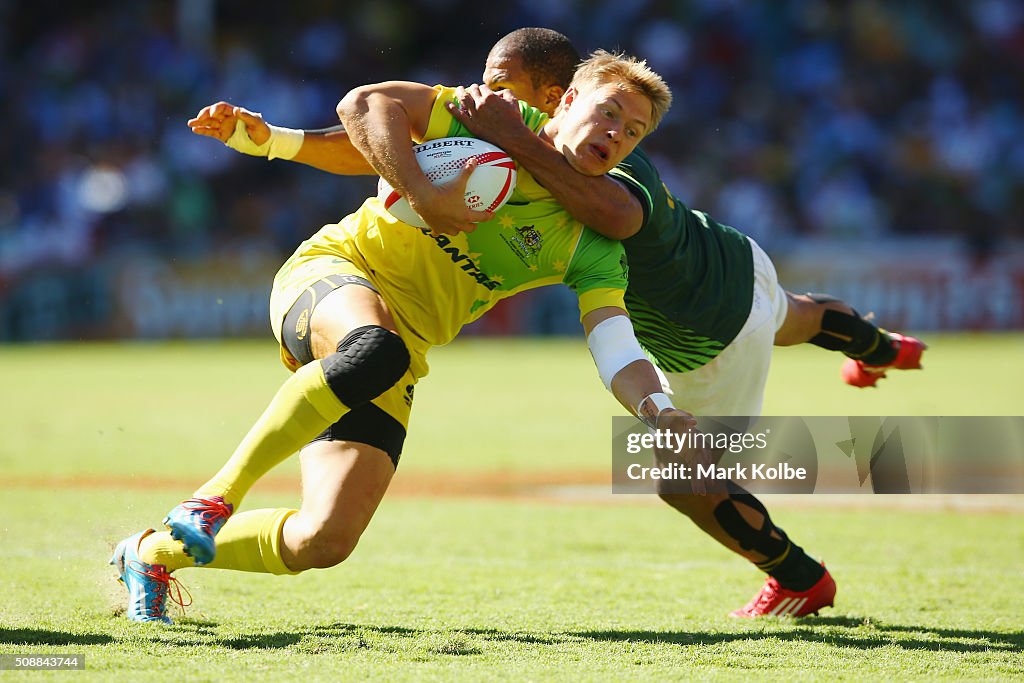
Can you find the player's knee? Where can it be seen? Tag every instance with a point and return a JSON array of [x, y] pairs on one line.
[[814, 318], [368, 362], [332, 555], [328, 547]]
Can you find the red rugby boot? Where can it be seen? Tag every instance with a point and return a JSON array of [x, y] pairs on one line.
[[908, 357], [776, 601]]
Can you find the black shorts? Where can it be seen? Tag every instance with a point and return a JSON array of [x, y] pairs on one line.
[[295, 329]]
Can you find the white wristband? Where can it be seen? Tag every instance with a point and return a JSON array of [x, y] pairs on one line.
[[283, 143], [650, 408]]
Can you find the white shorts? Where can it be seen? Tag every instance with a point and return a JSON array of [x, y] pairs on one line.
[[733, 383]]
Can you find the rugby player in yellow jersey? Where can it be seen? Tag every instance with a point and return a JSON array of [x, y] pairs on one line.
[[359, 304], [536, 65]]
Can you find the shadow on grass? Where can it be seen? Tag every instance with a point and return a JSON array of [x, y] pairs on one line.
[[853, 632], [839, 631], [31, 636], [336, 637], [361, 636], [486, 633], [260, 641]]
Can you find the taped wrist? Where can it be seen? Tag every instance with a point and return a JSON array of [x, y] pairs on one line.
[[368, 362], [613, 346], [283, 143], [650, 408]]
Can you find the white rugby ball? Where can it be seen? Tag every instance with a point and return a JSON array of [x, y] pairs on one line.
[[489, 187]]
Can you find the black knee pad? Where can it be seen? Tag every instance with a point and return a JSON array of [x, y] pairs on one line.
[[367, 363], [370, 425], [842, 331], [735, 524]]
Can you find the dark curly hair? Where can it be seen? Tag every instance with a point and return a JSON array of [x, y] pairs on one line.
[[548, 56]]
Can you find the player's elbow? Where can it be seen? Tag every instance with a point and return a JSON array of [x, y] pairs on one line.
[[614, 212], [617, 230], [353, 103], [617, 222]]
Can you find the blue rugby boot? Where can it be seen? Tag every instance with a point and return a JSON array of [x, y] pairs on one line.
[[147, 584], [195, 522]]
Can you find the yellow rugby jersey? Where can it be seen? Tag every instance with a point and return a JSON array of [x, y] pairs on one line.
[[436, 284]]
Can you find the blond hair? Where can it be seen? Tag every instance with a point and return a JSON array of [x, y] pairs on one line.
[[631, 74]]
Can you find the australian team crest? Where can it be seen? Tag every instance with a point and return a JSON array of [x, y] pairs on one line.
[[530, 238], [525, 242]]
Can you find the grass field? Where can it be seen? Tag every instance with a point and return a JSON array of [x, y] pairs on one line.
[[473, 569]]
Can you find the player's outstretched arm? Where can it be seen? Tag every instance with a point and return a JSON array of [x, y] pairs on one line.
[[380, 120], [631, 377], [622, 364], [600, 202], [331, 150], [247, 132]]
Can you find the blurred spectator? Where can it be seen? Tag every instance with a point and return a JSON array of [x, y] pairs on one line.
[[852, 120]]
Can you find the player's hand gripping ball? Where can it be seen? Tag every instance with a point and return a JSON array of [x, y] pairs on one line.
[[489, 187]]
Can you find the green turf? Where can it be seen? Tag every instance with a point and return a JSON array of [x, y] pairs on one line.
[[97, 407], [478, 589], [503, 590]]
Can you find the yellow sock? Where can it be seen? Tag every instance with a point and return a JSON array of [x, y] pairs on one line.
[[251, 542], [160, 548], [303, 407]]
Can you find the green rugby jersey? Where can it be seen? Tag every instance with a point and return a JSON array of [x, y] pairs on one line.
[[691, 279]]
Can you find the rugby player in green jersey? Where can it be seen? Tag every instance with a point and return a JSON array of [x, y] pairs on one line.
[[705, 303], [691, 294], [359, 304]]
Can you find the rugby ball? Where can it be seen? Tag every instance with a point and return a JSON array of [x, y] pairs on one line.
[[489, 186]]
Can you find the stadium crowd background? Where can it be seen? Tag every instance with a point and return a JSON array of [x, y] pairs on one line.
[[855, 121]]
